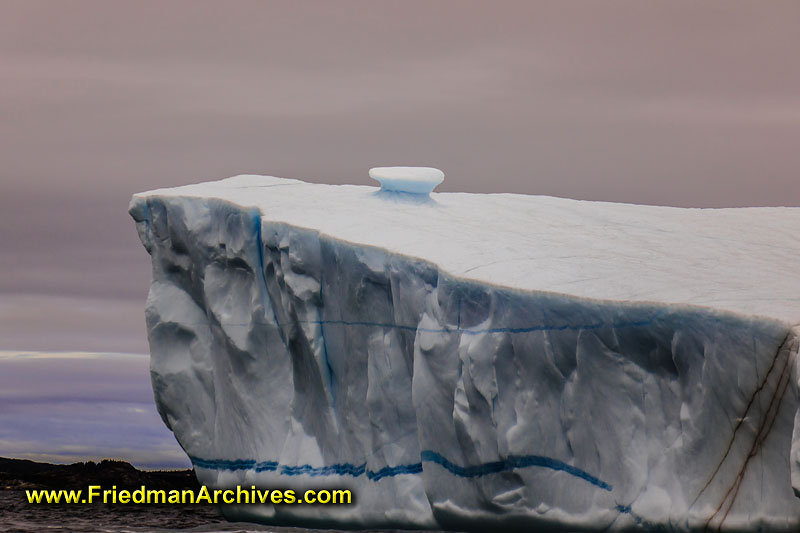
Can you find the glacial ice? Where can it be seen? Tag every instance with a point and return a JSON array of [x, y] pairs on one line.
[[479, 361], [413, 180]]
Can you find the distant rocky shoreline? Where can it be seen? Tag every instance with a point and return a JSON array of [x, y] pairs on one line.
[[22, 474]]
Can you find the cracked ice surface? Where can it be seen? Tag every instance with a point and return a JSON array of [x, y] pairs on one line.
[[478, 361]]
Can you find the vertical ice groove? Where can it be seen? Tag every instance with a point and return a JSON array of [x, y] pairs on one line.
[[323, 341], [265, 300]]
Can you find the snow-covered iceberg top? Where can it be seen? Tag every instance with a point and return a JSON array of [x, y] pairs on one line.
[[478, 362], [742, 260]]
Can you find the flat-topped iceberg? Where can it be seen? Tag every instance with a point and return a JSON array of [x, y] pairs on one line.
[[478, 361]]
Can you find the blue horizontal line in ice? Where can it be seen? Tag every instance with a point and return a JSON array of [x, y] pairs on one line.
[[467, 331], [348, 469], [510, 463], [391, 471], [481, 331], [341, 469]]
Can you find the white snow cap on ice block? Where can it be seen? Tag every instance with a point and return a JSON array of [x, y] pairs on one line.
[[415, 180]]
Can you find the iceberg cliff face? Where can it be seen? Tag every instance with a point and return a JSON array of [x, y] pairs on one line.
[[478, 361]]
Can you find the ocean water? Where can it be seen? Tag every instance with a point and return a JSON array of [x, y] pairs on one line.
[[17, 515]]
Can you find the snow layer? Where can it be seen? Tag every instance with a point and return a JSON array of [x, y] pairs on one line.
[[478, 361]]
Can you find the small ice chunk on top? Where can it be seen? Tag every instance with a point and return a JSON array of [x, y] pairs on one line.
[[415, 180]]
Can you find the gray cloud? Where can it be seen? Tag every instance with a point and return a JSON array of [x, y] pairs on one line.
[[57, 322], [71, 407], [674, 103]]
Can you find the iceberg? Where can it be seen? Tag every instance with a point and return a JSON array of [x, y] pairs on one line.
[[478, 361]]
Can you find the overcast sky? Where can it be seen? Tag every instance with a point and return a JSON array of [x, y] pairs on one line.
[[672, 103], [70, 407]]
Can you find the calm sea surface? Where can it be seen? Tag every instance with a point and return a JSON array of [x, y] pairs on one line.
[[16, 515]]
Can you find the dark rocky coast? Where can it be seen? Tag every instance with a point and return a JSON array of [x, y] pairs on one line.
[[17, 515], [21, 474]]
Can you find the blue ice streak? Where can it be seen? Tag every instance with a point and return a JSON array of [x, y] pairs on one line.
[[347, 469], [510, 463]]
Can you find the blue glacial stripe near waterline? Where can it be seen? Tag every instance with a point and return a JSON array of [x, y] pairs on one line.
[[510, 463], [347, 469]]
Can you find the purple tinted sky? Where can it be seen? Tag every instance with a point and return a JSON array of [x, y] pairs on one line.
[[675, 103], [76, 407]]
